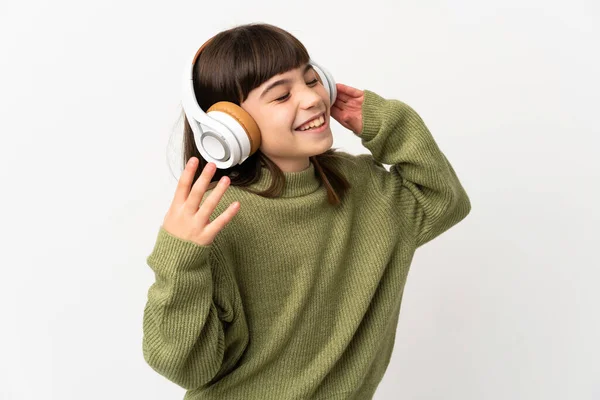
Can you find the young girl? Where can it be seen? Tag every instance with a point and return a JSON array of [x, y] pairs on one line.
[[282, 277]]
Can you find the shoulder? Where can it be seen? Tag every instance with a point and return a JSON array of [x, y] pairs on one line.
[[351, 165], [361, 169], [364, 171]]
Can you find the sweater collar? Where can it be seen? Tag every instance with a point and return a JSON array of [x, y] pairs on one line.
[[296, 183]]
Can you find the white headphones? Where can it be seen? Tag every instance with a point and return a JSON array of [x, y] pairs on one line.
[[226, 134]]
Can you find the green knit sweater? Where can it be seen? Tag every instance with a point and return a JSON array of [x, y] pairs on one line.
[[295, 298]]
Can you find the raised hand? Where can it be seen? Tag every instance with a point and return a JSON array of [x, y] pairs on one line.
[[186, 217], [347, 109]]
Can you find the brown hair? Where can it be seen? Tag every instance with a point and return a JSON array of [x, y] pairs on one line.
[[234, 63]]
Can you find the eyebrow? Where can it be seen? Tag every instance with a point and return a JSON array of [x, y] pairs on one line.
[[283, 81]]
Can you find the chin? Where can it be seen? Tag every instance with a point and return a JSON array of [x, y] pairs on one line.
[[326, 144]]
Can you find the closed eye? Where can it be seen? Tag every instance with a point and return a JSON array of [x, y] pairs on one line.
[[284, 97]]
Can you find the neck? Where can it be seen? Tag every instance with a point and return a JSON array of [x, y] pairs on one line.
[[296, 184], [292, 164]]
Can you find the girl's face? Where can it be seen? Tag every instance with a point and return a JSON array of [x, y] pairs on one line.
[[281, 106]]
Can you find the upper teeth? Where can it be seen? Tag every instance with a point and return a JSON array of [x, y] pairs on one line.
[[312, 124]]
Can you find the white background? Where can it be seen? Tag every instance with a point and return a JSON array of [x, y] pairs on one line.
[[502, 306]]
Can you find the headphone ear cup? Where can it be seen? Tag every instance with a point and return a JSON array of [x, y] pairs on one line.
[[244, 120], [327, 80]]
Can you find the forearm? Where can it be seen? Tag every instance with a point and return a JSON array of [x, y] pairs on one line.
[[395, 134], [183, 336]]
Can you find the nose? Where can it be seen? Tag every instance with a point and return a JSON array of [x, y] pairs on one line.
[[310, 98]]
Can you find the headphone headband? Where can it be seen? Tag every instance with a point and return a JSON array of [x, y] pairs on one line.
[[200, 51]]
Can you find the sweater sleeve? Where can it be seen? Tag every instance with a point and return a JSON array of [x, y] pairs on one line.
[[421, 181], [194, 330]]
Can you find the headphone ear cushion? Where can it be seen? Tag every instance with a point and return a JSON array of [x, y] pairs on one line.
[[243, 118], [327, 80]]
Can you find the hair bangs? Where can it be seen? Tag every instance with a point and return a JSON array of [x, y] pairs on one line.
[[263, 54]]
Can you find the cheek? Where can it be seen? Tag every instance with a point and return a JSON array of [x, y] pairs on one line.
[[281, 119], [324, 96], [275, 127]]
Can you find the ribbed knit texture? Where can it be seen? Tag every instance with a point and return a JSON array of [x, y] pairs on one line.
[[295, 298]]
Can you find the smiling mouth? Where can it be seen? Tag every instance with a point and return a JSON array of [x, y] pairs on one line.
[[313, 124]]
